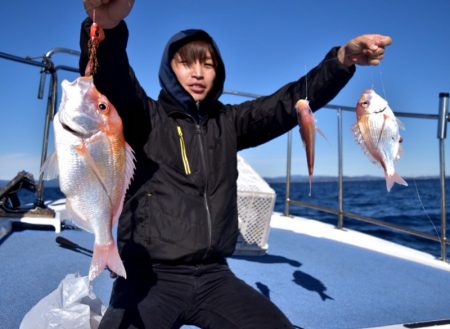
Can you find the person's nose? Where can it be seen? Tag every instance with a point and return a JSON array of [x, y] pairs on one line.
[[197, 70]]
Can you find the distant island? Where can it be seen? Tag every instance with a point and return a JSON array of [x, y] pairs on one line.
[[304, 178]]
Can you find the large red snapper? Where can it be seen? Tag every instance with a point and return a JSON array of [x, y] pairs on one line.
[[95, 166], [377, 131]]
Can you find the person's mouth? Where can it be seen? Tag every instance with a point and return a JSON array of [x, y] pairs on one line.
[[197, 88]]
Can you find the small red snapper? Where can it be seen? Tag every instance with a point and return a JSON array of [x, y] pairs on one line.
[[377, 131], [307, 125], [95, 167]]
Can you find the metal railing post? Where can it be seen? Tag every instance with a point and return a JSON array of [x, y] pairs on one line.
[[288, 174], [340, 172], [441, 135], [51, 104]]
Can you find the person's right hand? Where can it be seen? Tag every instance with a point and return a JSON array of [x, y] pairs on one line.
[[367, 49], [108, 13]]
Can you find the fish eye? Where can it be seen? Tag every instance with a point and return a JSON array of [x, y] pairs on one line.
[[365, 103], [102, 106]]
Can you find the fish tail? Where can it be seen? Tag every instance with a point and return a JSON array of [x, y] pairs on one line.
[[395, 178], [310, 184], [104, 256]]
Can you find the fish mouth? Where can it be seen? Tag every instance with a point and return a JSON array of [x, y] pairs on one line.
[[380, 111], [73, 131]]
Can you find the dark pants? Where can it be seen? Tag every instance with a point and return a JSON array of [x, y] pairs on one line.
[[207, 296]]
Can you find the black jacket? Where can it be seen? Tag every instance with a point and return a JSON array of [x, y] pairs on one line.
[[182, 204]]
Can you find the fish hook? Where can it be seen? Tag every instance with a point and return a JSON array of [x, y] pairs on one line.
[[97, 35]]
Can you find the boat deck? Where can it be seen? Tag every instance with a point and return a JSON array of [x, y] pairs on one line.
[[319, 276]]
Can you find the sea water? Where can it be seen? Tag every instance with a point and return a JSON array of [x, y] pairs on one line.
[[417, 207]]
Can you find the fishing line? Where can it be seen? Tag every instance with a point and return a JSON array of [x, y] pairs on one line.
[[381, 82], [424, 210], [383, 89], [306, 84], [373, 80]]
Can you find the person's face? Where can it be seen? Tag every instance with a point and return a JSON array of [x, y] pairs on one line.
[[196, 78]]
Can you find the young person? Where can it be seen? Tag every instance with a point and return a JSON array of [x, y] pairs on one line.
[[179, 221]]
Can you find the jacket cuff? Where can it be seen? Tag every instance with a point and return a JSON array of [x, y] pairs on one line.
[[117, 35], [332, 56]]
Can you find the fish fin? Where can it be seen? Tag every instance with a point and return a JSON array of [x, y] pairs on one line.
[[359, 138], [399, 153], [310, 185], [382, 128], [50, 167], [129, 172], [322, 134], [395, 178], [357, 134], [83, 152], [106, 256], [400, 124]]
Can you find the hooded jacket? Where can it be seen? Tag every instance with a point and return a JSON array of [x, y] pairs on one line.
[[181, 206]]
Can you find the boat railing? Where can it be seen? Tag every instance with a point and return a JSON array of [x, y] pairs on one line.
[[48, 68], [442, 119]]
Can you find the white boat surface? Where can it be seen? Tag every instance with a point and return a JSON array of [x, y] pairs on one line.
[[320, 276]]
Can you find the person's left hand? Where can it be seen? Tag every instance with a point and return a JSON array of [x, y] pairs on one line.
[[367, 49]]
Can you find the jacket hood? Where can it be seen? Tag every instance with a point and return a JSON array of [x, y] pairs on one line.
[[168, 80]]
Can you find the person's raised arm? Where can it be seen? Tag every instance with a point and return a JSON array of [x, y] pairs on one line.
[[270, 116]]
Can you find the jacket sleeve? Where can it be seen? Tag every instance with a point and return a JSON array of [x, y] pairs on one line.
[[268, 117], [116, 80]]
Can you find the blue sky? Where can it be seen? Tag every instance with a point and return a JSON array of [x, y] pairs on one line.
[[264, 45]]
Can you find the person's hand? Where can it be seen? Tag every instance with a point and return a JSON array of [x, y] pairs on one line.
[[367, 49], [108, 13]]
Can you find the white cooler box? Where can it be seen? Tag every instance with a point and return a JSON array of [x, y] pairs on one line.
[[256, 200]]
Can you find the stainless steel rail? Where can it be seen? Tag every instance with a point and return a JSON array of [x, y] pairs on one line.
[[442, 134]]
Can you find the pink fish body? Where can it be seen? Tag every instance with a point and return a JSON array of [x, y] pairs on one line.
[[377, 131], [95, 167], [307, 124]]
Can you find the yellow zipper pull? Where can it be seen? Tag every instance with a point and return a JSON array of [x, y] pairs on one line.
[[187, 167]]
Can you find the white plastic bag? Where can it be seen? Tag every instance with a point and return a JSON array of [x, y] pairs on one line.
[[72, 305]]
